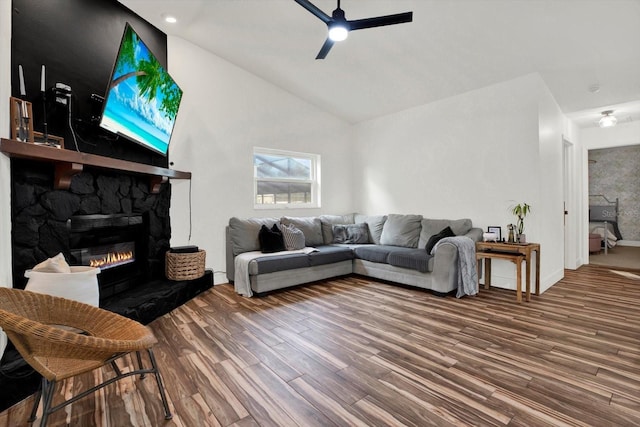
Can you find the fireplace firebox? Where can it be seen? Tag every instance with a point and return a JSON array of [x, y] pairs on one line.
[[117, 244]]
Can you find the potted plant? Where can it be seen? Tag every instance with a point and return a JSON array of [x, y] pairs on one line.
[[520, 211]]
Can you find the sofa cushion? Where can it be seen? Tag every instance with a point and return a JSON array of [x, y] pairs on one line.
[[401, 230], [311, 227], [330, 254], [321, 256], [375, 224], [430, 227], [273, 263], [415, 259], [446, 232], [374, 253], [244, 233], [271, 240], [351, 233], [328, 221], [293, 237]]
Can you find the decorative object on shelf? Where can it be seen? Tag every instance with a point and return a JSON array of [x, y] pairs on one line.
[[511, 238], [520, 211], [48, 141], [21, 124], [493, 234]]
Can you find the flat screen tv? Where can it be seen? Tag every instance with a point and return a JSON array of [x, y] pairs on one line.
[[142, 99]]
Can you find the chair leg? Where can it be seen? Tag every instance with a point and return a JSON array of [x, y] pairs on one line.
[[36, 401], [114, 365], [139, 357], [48, 387], [163, 396]]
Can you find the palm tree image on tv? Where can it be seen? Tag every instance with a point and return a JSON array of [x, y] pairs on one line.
[[142, 99]]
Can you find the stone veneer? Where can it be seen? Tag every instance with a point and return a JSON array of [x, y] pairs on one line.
[[39, 213]]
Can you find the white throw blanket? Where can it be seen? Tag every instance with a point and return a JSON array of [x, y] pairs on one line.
[[242, 284], [466, 268]]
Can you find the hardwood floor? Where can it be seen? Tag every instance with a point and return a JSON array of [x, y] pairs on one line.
[[358, 352]]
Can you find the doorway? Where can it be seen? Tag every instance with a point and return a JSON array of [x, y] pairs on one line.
[[614, 206]]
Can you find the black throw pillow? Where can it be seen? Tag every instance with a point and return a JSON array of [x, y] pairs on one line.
[[446, 232], [270, 240]]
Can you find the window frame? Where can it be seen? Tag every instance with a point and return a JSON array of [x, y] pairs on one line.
[[314, 180]]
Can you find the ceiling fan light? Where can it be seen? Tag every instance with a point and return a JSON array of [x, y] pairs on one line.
[[338, 33], [608, 119]]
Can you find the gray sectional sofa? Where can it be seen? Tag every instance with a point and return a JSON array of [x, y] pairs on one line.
[[394, 251]]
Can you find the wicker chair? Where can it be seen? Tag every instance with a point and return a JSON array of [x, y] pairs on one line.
[[61, 338]]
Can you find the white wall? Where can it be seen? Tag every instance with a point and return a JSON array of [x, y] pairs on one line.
[[473, 155], [618, 136], [575, 236], [549, 215], [225, 112]]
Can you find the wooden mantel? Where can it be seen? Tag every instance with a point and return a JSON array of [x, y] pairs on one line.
[[69, 163]]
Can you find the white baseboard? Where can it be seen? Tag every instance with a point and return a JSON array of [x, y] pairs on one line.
[[628, 243]]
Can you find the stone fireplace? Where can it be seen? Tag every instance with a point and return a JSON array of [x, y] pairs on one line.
[[108, 212], [105, 217]]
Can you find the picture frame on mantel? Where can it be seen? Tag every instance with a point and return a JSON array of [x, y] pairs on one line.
[[21, 120]]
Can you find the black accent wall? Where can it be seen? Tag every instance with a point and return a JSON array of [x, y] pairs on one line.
[[77, 41]]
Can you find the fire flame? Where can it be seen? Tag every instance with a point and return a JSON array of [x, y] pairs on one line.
[[111, 258]]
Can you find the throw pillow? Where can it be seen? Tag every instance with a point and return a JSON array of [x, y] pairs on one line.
[[329, 220], [244, 233], [57, 264], [401, 230], [447, 232], [271, 240], [293, 237], [351, 233], [375, 224], [310, 226]]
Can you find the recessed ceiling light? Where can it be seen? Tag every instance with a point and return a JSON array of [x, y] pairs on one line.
[[170, 19]]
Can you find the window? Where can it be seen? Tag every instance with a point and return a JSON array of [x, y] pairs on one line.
[[286, 179]]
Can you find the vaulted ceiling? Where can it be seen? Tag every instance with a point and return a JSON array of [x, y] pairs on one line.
[[451, 47]]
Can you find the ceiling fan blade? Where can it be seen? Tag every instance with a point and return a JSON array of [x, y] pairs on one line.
[[314, 10], [326, 47], [379, 21]]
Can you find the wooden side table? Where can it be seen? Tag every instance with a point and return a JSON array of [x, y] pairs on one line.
[[516, 253]]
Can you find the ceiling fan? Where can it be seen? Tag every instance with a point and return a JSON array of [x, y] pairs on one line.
[[339, 26]]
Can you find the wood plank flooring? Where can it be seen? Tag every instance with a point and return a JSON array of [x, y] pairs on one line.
[[356, 352]]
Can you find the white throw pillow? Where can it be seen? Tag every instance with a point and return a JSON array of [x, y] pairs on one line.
[[57, 264], [293, 237]]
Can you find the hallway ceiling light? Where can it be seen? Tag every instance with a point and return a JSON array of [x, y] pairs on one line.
[[608, 119]]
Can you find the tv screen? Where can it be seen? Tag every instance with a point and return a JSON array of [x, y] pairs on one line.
[[142, 99]]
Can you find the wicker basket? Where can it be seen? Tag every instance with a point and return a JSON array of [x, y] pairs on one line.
[[185, 266]]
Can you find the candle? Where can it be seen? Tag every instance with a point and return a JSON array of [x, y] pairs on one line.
[[23, 92], [42, 79]]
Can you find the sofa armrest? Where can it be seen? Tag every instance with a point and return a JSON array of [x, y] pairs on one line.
[[475, 234], [229, 255], [445, 261]]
